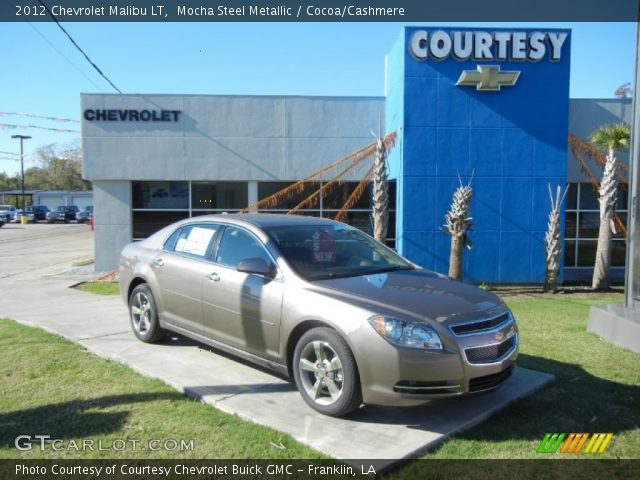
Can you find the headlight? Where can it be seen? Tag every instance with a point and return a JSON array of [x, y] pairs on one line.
[[406, 334]]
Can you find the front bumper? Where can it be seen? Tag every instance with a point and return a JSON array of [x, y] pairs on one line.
[[469, 364]]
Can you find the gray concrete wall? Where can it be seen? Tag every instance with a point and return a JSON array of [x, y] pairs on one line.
[[216, 138], [112, 214], [226, 137]]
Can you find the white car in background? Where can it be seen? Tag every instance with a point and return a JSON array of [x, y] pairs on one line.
[[16, 216], [7, 212]]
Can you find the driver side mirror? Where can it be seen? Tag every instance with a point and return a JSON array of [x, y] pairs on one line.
[[256, 266]]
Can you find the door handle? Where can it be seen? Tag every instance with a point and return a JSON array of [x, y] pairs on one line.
[[214, 277], [159, 262]]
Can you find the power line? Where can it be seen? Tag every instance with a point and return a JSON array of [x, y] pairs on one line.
[[61, 130], [78, 46], [65, 57], [31, 115], [17, 159]]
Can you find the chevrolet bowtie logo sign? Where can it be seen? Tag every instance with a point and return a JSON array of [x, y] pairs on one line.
[[488, 78]]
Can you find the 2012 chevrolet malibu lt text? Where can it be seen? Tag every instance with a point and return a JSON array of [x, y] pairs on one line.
[[347, 318]]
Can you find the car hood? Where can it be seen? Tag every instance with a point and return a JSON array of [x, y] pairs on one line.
[[421, 294]]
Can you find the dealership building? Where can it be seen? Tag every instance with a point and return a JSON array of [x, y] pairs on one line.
[[490, 106]]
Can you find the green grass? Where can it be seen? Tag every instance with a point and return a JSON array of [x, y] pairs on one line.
[[597, 386], [100, 288], [52, 386]]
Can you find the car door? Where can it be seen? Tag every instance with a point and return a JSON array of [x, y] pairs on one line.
[[242, 309], [180, 269]]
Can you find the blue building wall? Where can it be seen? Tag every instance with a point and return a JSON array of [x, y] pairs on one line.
[[514, 142]]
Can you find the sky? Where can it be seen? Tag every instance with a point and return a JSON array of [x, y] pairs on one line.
[[44, 74]]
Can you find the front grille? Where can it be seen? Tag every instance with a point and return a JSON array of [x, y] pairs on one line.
[[480, 326], [489, 381], [425, 388], [490, 353]]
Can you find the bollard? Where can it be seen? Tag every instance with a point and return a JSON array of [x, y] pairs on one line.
[[91, 222]]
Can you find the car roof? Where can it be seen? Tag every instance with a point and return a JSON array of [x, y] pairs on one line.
[[266, 219]]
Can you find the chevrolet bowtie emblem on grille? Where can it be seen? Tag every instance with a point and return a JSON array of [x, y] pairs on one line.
[[488, 78], [505, 334]]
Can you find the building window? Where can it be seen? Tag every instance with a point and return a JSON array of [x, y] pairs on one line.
[[218, 196], [582, 221], [161, 195], [146, 223], [330, 202], [286, 202], [158, 204]]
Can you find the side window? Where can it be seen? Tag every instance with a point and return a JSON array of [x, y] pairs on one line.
[[237, 245], [192, 240], [170, 243]]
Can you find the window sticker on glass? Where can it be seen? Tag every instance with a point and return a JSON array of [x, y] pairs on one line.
[[196, 242], [323, 245]]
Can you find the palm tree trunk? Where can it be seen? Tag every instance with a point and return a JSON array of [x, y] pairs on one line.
[[457, 224], [608, 195], [603, 255], [553, 242], [380, 193], [455, 257]]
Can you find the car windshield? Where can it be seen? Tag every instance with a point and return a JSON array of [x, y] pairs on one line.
[[319, 252], [5, 207]]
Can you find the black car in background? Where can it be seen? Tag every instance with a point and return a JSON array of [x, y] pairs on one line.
[[63, 213], [85, 214], [36, 213]]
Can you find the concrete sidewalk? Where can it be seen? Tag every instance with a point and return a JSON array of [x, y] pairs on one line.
[[35, 277], [383, 434]]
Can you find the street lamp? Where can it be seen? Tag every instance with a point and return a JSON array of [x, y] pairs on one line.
[[22, 139]]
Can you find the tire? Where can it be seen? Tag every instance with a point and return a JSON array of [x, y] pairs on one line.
[[326, 373], [143, 315]]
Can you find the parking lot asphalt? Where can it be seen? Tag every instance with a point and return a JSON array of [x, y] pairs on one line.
[[38, 258], [35, 250]]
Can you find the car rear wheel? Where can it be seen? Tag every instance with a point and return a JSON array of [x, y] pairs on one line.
[[325, 372], [144, 315]]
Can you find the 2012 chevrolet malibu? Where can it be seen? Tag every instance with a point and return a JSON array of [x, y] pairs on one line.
[[347, 318]]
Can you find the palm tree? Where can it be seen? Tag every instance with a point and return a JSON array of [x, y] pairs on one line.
[[553, 241], [457, 224], [380, 202], [611, 139]]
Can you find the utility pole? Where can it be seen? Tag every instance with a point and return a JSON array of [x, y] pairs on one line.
[[22, 139]]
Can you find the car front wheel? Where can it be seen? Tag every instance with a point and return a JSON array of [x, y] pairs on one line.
[[144, 315], [326, 373]]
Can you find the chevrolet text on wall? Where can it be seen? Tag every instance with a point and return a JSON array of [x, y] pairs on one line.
[[485, 46], [114, 115]]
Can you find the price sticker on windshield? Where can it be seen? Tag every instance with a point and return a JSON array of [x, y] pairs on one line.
[[323, 245]]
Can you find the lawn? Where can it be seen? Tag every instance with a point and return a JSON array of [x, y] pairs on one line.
[[100, 288], [52, 386], [597, 386], [68, 393]]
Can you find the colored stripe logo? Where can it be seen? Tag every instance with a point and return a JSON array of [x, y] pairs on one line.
[[574, 443]]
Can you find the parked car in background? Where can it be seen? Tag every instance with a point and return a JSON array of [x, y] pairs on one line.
[[347, 318], [63, 213], [17, 216], [85, 214], [7, 212], [36, 213]]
